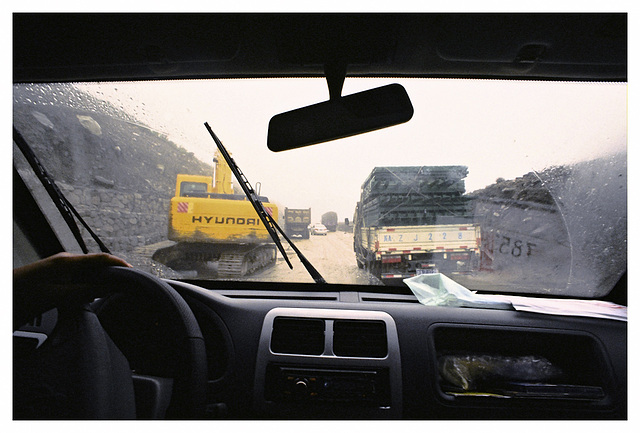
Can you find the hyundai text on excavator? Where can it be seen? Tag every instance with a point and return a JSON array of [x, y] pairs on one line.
[[214, 229]]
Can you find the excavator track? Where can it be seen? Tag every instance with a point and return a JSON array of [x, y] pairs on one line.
[[231, 261], [232, 265], [235, 264]]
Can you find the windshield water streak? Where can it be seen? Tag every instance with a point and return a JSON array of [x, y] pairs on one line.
[[529, 176]]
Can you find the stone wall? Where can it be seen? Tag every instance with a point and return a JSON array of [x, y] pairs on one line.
[[123, 220]]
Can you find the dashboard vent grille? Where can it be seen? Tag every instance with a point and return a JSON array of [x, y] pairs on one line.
[[360, 338], [297, 336]]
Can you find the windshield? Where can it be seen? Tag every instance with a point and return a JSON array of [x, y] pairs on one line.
[[503, 186]]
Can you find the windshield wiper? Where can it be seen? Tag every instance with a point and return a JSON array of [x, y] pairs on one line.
[[268, 221], [64, 206]]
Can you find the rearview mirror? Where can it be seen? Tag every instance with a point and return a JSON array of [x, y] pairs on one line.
[[340, 117]]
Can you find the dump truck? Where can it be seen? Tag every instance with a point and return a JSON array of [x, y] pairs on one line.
[[330, 220], [214, 229], [415, 220], [297, 221]]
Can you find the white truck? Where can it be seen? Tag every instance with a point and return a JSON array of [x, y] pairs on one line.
[[415, 220], [406, 251]]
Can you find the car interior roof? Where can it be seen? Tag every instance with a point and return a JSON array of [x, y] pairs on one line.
[[53, 47]]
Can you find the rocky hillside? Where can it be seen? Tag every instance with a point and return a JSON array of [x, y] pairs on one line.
[[85, 141], [527, 188], [117, 172]]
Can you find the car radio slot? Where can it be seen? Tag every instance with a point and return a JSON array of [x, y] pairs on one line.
[[357, 387]]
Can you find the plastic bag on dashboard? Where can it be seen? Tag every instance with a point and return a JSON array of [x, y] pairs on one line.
[[471, 372], [438, 289]]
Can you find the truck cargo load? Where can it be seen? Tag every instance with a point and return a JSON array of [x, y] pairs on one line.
[[415, 196]]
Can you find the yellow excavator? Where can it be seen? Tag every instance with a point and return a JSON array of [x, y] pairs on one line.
[[214, 229]]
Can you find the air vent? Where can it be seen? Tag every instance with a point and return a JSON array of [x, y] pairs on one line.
[[360, 338], [297, 336]]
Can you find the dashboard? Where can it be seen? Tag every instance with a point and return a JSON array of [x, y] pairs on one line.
[[347, 354]]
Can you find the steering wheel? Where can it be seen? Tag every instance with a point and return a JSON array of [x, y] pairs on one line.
[[80, 373]]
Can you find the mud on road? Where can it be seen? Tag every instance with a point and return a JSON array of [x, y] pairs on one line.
[[332, 256]]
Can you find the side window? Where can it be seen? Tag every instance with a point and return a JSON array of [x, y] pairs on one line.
[[24, 251], [193, 189]]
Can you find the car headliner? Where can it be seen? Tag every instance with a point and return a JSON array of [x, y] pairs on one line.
[[103, 47]]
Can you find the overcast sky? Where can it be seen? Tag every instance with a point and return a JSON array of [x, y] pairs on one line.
[[496, 128]]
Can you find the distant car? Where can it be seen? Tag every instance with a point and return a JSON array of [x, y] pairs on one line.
[[318, 229]]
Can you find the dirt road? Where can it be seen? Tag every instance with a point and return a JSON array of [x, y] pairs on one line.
[[332, 256]]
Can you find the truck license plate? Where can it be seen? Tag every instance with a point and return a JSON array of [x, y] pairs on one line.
[[426, 271]]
